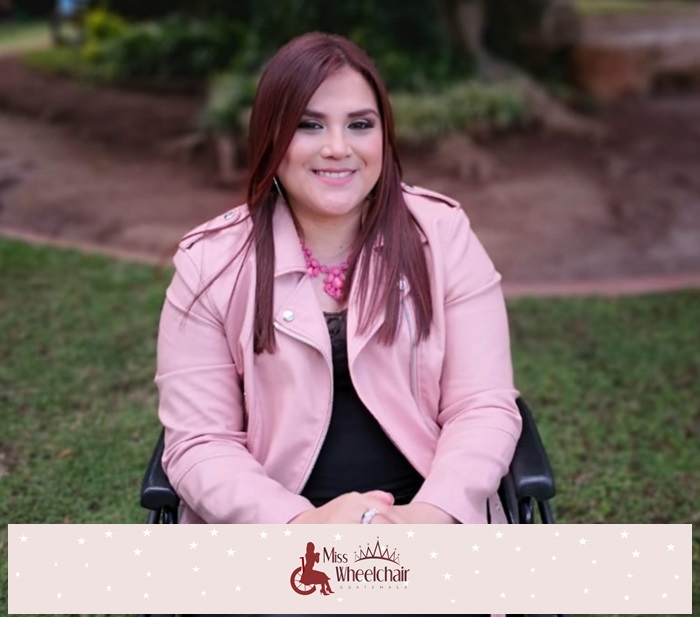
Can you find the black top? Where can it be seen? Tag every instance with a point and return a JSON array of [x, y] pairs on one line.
[[356, 455]]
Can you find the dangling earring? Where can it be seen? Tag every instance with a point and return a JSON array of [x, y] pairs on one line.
[[277, 185]]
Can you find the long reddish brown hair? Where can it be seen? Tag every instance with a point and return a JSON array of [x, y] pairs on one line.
[[287, 84]]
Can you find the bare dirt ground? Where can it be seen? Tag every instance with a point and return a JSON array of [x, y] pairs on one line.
[[96, 167]]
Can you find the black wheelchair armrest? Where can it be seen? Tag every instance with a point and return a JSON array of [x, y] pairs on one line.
[[156, 492], [529, 480], [530, 468]]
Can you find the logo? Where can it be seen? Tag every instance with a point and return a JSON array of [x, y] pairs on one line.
[[305, 578], [373, 567]]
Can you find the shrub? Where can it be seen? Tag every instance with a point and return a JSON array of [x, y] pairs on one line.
[[467, 106], [174, 49]]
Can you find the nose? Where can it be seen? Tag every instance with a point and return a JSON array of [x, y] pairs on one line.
[[336, 145]]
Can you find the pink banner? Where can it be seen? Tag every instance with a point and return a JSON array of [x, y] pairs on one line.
[[84, 569]]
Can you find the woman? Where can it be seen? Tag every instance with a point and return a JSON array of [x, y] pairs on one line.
[[314, 577], [336, 350]]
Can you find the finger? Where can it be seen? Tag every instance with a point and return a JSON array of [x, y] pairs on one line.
[[382, 496], [381, 520]]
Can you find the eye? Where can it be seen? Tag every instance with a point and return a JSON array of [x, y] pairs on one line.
[[309, 125], [362, 125]]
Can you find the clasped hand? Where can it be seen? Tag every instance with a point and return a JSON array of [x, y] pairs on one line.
[[348, 508]]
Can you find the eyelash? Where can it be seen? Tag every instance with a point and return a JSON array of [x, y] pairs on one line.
[[361, 125]]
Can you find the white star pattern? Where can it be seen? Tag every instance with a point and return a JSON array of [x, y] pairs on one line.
[[477, 571], [87, 565], [17, 574], [676, 576], [410, 533], [532, 595], [554, 557], [452, 600], [109, 588], [137, 552], [263, 535], [518, 549], [475, 548], [145, 595], [231, 552], [532, 570], [287, 533], [214, 532], [81, 541], [585, 590], [503, 595], [195, 569], [627, 598], [664, 595], [59, 595], [499, 534], [594, 561], [193, 545], [338, 536], [340, 599], [238, 587], [204, 593], [108, 534], [582, 541], [623, 535], [146, 533], [447, 576], [23, 538], [636, 554], [433, 555], [148, 574], [670, 547], [629, 575]]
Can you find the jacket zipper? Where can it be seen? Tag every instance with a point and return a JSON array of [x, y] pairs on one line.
[[329, 364], [412, 368]]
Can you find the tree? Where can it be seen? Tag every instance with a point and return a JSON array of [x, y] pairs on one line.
[[494, 32]]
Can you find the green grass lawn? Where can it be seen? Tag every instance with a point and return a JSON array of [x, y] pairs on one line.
[[613, 383]]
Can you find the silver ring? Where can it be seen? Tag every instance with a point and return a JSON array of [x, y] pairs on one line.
[[368, 515]]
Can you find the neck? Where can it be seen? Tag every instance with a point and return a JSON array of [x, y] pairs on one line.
[[330, 241]]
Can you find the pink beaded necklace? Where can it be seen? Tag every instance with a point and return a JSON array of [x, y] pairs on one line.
[[335, 279]]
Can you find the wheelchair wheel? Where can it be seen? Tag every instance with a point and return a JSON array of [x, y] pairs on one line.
[[298, 586]]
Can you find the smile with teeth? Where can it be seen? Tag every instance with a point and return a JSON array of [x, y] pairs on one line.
[[333, 174]]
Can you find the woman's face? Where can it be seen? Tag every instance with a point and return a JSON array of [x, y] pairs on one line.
[[335, 157]]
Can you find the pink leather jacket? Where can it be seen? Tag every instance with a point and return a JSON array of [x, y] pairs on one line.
[[243, 431]]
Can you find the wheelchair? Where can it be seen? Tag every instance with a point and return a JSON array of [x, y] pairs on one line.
[[525, 491]]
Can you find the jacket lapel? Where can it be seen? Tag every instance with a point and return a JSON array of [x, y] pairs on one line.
[[296, 309]]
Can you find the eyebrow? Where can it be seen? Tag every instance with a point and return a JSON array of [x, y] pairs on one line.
[[353, 114]]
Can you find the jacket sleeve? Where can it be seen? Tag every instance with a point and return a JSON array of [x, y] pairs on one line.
[[202, 409], [478, 417]]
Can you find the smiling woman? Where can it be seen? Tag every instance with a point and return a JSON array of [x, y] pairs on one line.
[[335, 158], [336, 349]]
